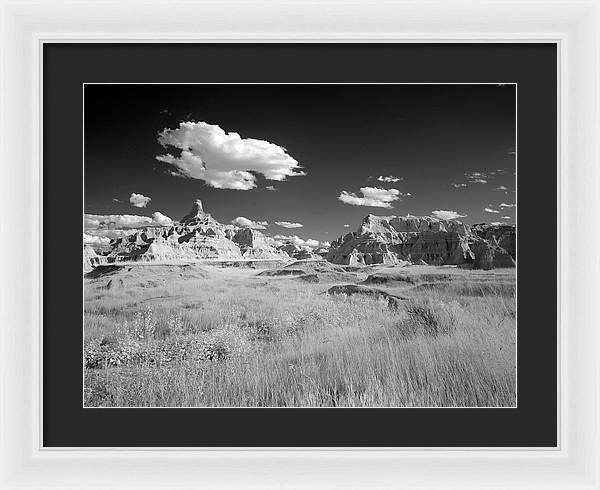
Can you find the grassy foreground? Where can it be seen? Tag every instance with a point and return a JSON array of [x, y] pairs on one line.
[[195, 336]]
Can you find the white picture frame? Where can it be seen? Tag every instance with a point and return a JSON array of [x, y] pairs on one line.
[[573, 25]]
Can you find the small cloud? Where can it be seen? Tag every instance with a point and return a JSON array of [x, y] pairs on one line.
[[287, 224], [95, 240], [346, 226], [165, 111], [139, 200], [122, 221], [497, 223], [295, 240], [511, 152], [501, 188], [504, 205], [476, 177], [490, 210], [371, 196], [447, 214], [161, 219], [110, 234], [270, 188], [506, 217], [458, 186], [389, 178], [114, 199], [242, 222]]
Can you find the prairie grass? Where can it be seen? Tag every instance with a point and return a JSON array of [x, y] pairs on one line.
[[234, 338]]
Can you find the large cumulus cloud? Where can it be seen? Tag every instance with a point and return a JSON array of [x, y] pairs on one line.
[[224, 160]]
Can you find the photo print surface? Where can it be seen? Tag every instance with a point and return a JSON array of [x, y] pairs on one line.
[[299, 245]]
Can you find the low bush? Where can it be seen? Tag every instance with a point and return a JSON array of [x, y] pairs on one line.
[[430, 317]]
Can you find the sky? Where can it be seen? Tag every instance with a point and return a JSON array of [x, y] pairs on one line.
[[320, 156]]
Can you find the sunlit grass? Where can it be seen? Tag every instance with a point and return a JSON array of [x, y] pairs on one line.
[[284, 343]]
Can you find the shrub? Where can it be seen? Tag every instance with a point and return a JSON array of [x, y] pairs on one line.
[[431, 318], [139, 344]]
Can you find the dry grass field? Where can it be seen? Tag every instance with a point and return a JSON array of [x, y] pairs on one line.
[[198, 335]]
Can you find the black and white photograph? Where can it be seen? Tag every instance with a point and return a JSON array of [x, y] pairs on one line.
[[299, 245]]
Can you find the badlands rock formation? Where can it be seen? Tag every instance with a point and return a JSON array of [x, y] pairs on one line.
[[400, 240], [197, 236], [90, 258], [379, 240], [504, 236]]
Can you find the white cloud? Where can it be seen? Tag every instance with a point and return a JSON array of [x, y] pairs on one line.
[[490, 210], [389, 178], [476, 177], [441, 214], [325, 244], [110, 234], [458, 186], [284, 240], [346, 226], [287, 224], [161, 219], [242, 222], [295, 240], [497, 223], [225, 160], [501, 188], [114, 199], [122, 221], [271, 188], [95, 240], [372, 196], [504, 205], [506, 217], [139, 200]]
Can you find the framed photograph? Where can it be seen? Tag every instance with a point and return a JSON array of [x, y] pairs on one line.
[[259, 245], [416, 310]]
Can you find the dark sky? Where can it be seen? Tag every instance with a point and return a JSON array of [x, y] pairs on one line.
[[343, 136]]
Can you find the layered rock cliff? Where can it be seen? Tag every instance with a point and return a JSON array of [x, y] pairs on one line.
[[396, 240], [378, 240], [198, 236]]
